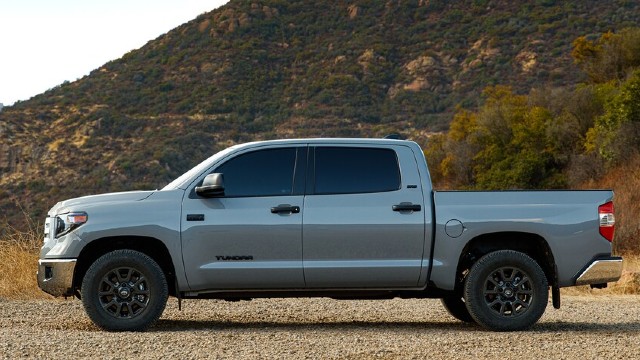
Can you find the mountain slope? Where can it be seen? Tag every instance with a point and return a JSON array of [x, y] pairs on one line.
[[276, 68]]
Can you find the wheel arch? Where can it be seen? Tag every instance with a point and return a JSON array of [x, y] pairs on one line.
[[534, 245], [149, 246]]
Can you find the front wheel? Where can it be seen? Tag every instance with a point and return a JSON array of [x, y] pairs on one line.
[[506, 291], [124, 290]]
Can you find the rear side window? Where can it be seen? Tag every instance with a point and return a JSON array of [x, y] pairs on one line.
[[344, 170], [259, 173]]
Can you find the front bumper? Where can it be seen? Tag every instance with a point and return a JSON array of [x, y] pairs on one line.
[[55, 276], [601, 271]]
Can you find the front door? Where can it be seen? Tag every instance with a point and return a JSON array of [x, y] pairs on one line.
[[251, 237]]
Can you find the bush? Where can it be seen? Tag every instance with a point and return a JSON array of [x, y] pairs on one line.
[[19, 261]]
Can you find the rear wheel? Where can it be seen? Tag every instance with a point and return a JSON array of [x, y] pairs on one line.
[[124, 290], [456, 306], [506, 291]]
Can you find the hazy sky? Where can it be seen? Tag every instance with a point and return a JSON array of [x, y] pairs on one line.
[[45, 42]]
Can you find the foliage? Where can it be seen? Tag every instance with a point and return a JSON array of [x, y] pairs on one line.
[[609, 57], [504, 146], [587, 136], [278, 58], [451, 155], [550, 138], [514, 151], [616, 134]]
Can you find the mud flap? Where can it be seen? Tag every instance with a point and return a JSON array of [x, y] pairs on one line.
[[178, 295], [555, 296], [555, 289]]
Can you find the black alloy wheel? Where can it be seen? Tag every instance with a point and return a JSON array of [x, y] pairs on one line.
[[506, 291], [124, 290]]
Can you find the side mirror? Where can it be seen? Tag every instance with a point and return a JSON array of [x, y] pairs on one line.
[[212, 186]]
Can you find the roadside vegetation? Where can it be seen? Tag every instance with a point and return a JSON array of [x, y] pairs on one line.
[[19, 252]]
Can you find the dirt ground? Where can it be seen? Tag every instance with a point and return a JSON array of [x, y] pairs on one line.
[[586, 327]]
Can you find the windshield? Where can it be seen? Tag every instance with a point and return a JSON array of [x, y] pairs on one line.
[[185, 179]]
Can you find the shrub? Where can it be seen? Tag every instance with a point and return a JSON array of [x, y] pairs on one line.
[[19, 261]]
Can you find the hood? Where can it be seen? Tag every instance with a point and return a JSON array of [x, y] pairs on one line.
[[82, 203]]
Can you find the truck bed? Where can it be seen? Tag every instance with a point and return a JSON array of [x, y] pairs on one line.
[[566, 220]]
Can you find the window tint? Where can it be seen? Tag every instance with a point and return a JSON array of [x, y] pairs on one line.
[[259, 173], [344, 170]]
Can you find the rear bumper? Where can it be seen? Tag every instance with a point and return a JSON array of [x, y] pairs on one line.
[[55, 276], [601, 271]]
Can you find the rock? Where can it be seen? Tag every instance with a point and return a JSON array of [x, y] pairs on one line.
[[526, 60], [417, 84], [244, 20], [204, 25], [5, 157], [420, 64], [353, 11]]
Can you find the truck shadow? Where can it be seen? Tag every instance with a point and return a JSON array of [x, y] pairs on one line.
[[190, 325], [545, 327], [562, 326]]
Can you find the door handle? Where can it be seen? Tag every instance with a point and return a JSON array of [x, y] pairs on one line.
[[406, 207], [285, 208]]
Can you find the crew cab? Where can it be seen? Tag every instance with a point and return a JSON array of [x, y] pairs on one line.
[[338, 218]]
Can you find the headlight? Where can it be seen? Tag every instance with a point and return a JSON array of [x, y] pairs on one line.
[[67, 222]]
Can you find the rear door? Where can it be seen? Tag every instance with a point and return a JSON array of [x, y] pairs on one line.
[[364, 217]]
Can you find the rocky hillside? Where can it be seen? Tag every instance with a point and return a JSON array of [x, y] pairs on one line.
[[279, 68]]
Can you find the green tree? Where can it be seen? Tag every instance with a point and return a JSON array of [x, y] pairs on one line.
[[451, 155], [515, 151], [615, 135], [505, 145], [610, 57], [462, 145]]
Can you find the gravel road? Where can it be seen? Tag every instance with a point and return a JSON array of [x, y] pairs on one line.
[[586, 327]]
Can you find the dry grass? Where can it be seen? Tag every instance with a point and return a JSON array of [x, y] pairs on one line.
[[625, 182], [629, 283], [19, 252]]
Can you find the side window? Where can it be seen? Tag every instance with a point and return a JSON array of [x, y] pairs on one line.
[[259, 173], [344, 170]]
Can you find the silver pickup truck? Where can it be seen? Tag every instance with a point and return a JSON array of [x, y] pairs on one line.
[[338, 218]]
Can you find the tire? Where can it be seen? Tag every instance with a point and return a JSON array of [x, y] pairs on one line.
[[456, 306], [124, 290], [506, 291]]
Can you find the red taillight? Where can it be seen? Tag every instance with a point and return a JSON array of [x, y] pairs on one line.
[[607, 220]]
